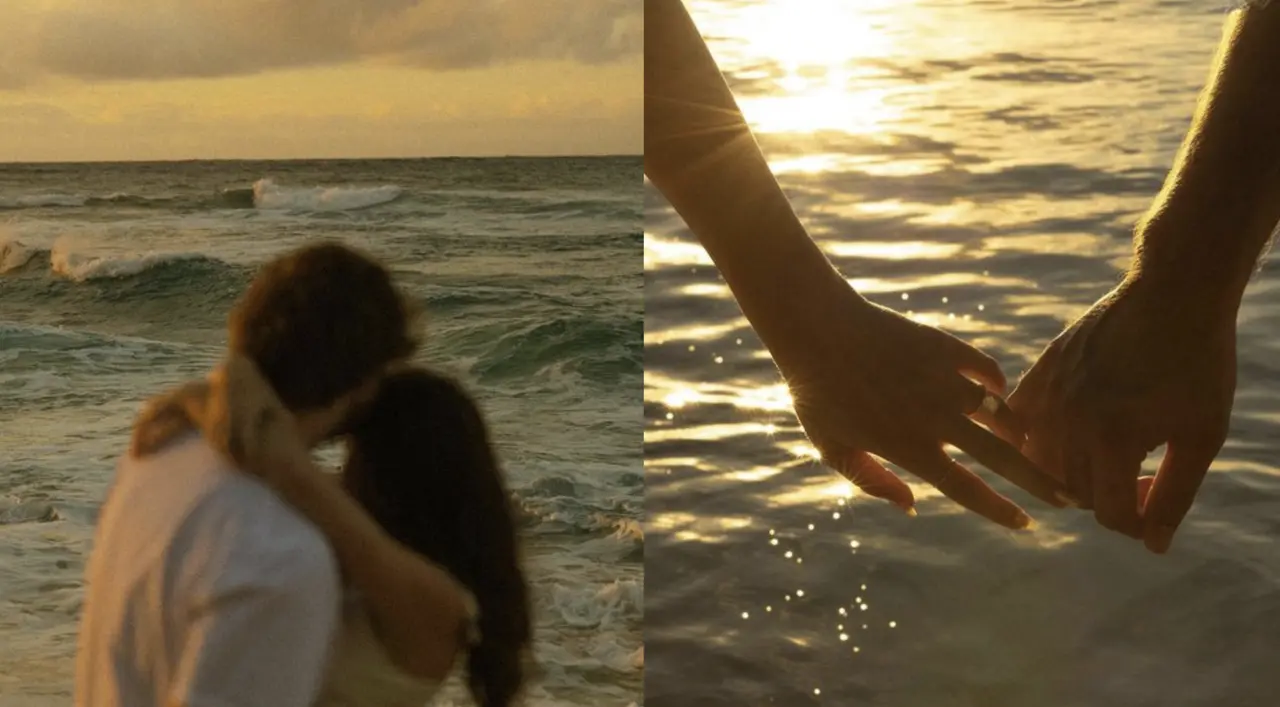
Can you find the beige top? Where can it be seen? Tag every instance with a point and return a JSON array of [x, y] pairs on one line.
[[361, 673]]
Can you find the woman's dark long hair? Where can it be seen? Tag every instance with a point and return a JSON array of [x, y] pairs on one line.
[[420, 461]]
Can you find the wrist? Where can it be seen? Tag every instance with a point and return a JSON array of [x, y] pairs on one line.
[[793, 297], [1173, 296], [1177, 262], [297, 480], [775, 267]]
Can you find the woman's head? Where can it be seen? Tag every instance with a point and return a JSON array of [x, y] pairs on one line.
[[420, 461]]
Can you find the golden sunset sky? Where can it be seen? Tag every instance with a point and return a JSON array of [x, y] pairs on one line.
[[85, 80]]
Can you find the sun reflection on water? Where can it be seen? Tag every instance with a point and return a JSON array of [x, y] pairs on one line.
[[965, 164], [823, 77]]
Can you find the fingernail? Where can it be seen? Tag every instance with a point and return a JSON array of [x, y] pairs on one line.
[[910, 511], [1159, 538], [1066, 499], [1022, 521]]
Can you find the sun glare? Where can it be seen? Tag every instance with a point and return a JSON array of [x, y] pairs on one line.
[[823, 51], [814, 34]]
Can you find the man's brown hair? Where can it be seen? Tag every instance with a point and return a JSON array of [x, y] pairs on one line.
[[319, 321]]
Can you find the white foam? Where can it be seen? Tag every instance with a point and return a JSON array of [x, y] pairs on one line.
[[14, 510], [14, 254], [65, 261], [269, 195], [628, 529], [617, 601]]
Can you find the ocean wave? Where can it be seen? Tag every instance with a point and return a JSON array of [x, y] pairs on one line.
[[555, 505], [582, 208], [65, 261], [269, 195], [19, 338], [40, 201], [14, 511], [124, 199], [264, 194], [598, 607], [80, 267], [66, 284], [597, 348], [14, 254]]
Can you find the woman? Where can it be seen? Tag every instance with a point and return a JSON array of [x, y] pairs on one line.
[[419, 464], [868, 384]]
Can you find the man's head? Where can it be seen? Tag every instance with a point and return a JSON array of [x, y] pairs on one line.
[[322, 323]]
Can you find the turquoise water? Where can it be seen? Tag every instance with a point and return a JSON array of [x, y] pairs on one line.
[[115, 280], [978, 165]]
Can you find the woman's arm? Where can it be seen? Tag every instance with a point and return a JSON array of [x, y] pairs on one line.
[[421, 613], [865, 381], [700, 153]]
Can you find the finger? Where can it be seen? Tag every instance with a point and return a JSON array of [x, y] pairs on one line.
[[1045, 449], [1005, 460], [1115, 466], [1075, 467], [976, 364], [1186, 461], [975, 400], [1144, 490], [874, 479], [1028, 403], [998, 417], [965, 488]]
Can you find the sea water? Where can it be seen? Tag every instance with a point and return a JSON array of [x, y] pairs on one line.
[[978, 166]]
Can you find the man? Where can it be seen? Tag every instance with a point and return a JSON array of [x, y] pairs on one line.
[[204, 588], [1154, 361]]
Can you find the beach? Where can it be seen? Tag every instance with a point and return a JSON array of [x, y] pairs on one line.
[[978, 166], [115, 282]]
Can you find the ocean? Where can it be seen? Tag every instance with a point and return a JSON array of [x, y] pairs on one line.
[[115, 281], [978, 165]]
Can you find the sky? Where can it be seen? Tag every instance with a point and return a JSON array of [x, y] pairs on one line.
[[89, 80]]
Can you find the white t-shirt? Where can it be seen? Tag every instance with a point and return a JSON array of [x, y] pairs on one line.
[[203, 590]]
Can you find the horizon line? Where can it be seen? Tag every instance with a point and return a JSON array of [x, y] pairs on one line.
[[7, 163]]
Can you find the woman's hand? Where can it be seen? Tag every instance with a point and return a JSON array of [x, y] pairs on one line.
[[241, 415], [1149, 364], [868, 381]]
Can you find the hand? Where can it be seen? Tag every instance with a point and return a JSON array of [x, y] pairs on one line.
[[241, 416], [1147, 365], [868, 381], [167, 417]]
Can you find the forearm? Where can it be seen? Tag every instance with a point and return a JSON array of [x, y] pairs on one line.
[[1221, 201], [700, 153], [418, 607]]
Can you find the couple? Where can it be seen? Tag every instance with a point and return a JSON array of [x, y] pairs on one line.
[[228, 570], [1153, 362]]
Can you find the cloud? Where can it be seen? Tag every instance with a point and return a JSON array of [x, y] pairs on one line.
[[165, 39]]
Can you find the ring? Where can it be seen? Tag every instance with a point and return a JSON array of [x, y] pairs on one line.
[[990, 403]]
